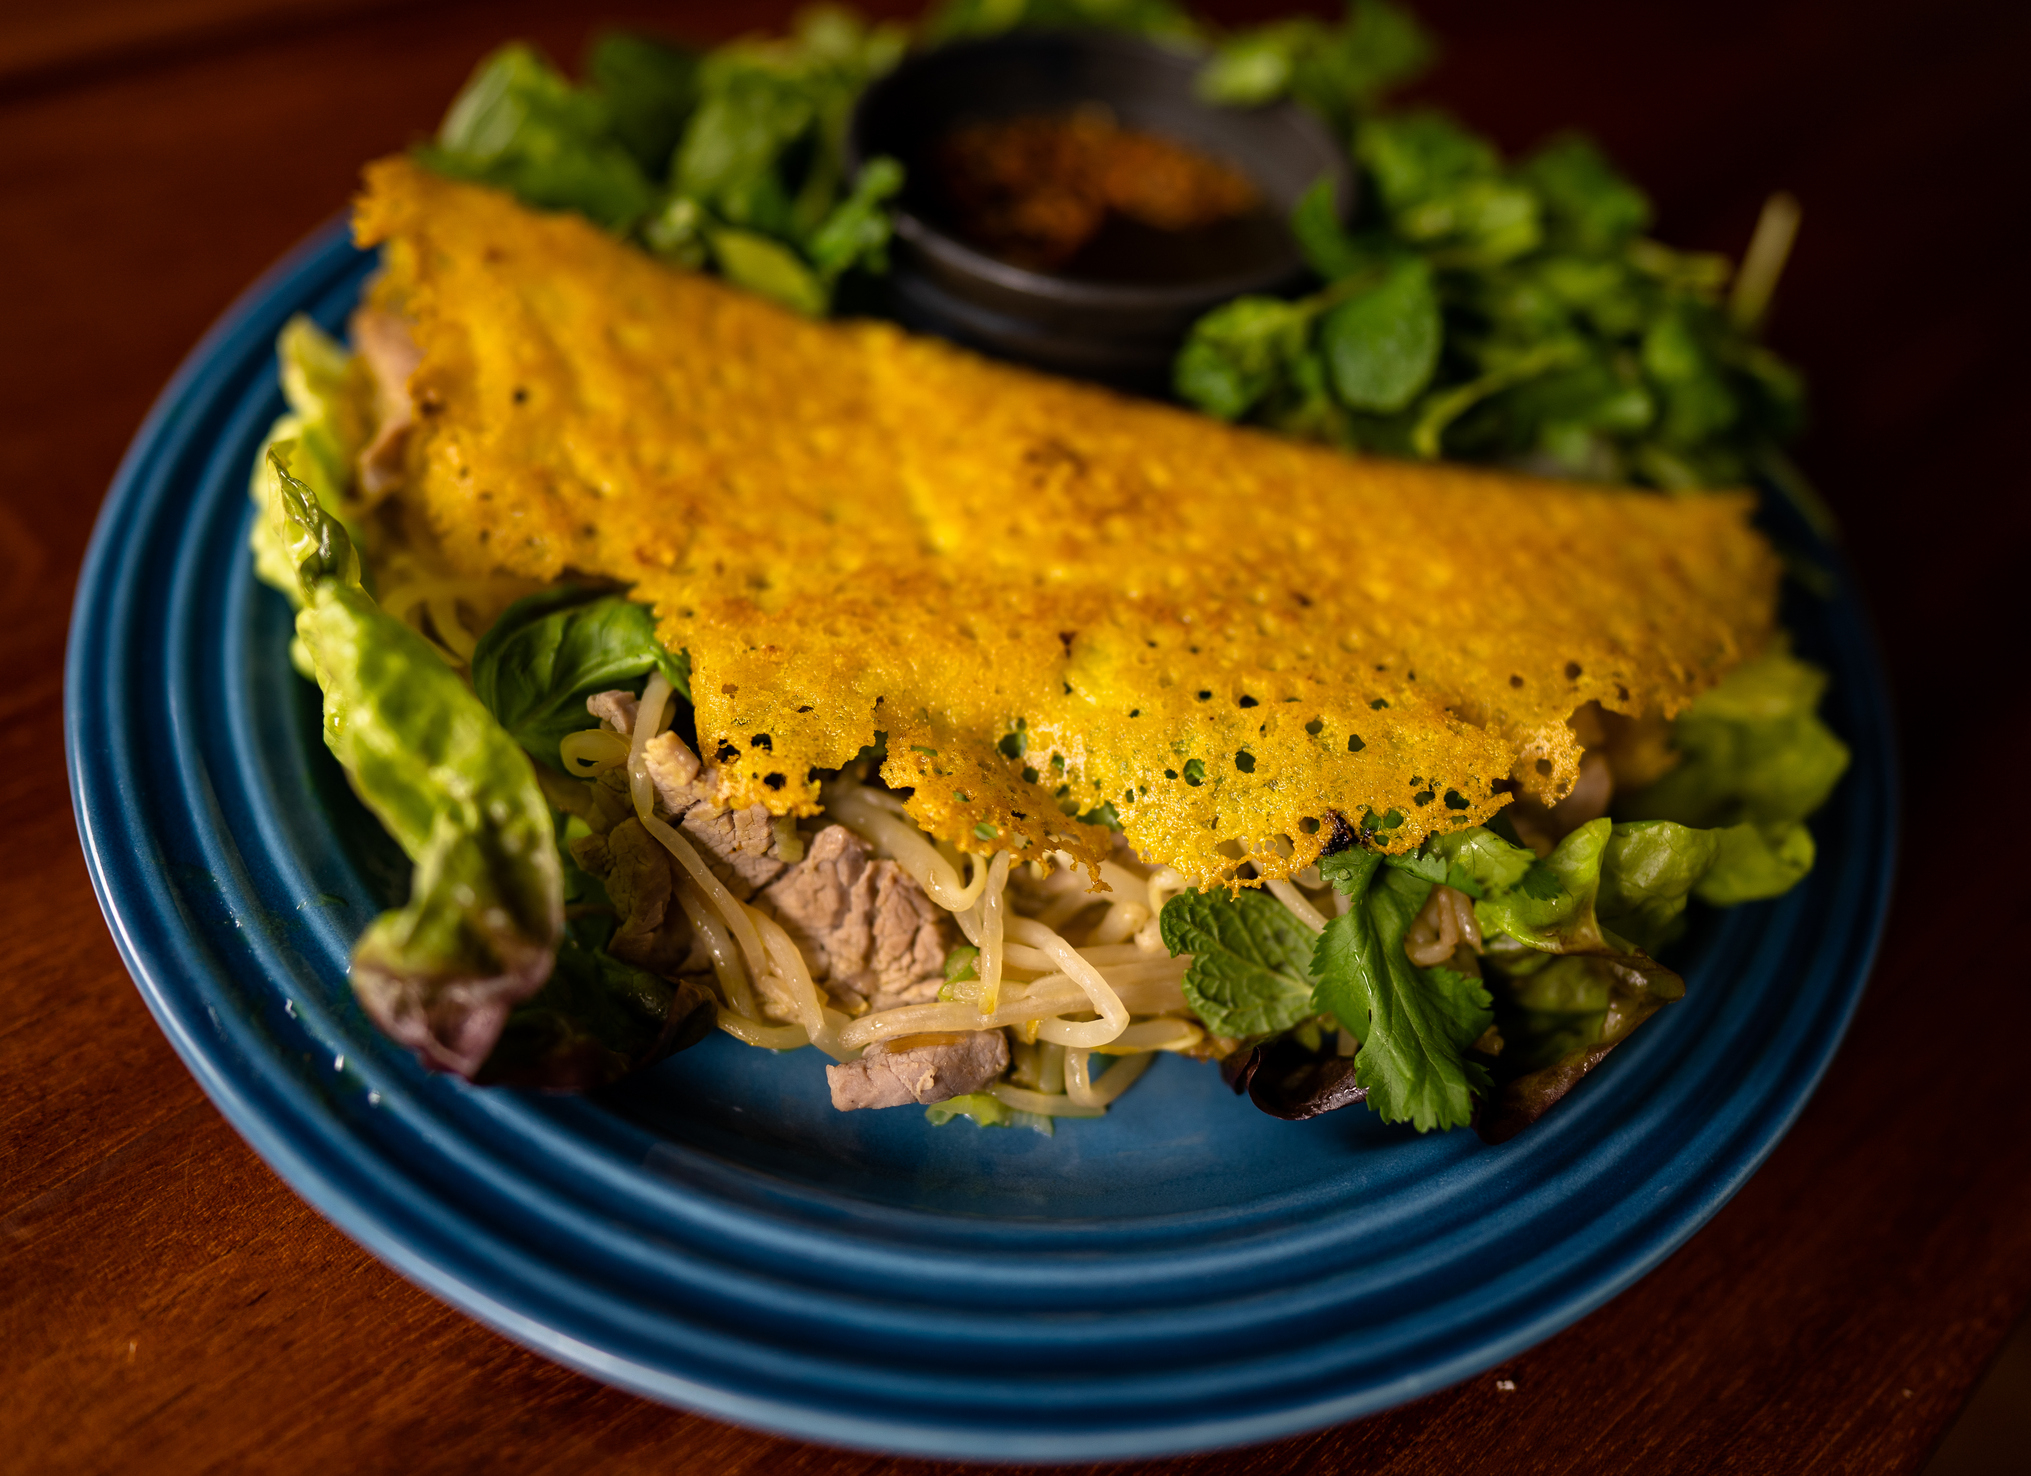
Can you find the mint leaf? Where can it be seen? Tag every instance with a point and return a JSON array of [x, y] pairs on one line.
[[1415, 1025], [1250, 958]]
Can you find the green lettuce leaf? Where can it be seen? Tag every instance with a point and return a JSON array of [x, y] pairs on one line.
[[1547, 905], [1757, 760], [1648, 873], [327, 424], [485, 914], [1757, 861], [550, 651], [1415, 1025], [1559, 1021], [1567, 976], [986, 1110], [1754, 751], [1251, 961], [595, 1021]]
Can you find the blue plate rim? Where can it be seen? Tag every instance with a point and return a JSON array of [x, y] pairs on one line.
[[287, 1154]]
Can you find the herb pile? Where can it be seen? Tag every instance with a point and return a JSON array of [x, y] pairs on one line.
[[1565, 971], [734, 159], [1472, 308]]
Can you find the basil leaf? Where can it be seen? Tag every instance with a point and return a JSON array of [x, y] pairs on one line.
[[1250, 972], [548, 652]]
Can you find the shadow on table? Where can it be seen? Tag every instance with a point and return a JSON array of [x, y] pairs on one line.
[[1992, 1437]]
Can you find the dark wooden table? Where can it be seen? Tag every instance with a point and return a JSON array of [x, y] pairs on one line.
[[165, 1299]]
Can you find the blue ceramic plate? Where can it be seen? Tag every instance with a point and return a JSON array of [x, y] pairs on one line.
[[1186, 1273]]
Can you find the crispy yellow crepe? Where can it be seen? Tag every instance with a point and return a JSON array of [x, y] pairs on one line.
[[1047, 596]]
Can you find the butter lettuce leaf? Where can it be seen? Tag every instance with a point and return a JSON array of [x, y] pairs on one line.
[[1545, 904], [1753, 862], [1756, 760], [595, 1021], [1755, 752], [480, 932], [327, 422], [1648, 873], [1559, 1021], [1251, 961]]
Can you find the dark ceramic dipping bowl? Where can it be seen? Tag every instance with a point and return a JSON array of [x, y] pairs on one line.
[[1122, 332]]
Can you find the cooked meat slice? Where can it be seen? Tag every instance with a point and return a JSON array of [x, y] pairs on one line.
[[652, 932], [385, 346], [922, 1069], [740, 846], [616, 709], [639, 885], [865, 924], [680, 781], [592, 854]]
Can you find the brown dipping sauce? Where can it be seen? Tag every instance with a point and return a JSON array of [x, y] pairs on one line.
[[1078, 195]]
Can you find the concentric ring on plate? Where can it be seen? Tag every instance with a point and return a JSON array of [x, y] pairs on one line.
[[1182, 1274]]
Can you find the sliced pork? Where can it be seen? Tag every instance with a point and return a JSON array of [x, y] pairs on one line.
[[919, 1069], [864, 924], [391, 356], [744, 848]]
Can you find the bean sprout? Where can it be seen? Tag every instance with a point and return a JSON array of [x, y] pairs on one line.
[[855, 807], [648, 723], [725, 965], [1084, 1090], [1300, 907], [1037, 1102]]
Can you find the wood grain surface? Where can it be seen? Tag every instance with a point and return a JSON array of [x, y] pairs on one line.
[[165, 1301]]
